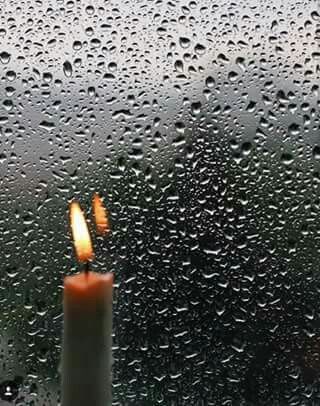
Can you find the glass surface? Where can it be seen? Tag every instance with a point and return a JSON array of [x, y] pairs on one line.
[[198, 121]]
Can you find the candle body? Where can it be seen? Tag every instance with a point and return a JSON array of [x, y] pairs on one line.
[[87, 340]]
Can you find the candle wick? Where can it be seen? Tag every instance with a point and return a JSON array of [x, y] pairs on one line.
[[87, 269]]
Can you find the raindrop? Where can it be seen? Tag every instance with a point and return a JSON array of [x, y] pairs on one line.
[[196, 108], [9, 390], [184, 42], [95, 43], [180, 127], [294, 129], [91, 91], [233, 76], [200, 49], [222, 58], [316, 152], [11, 75], [77, 45], [47, 77], [178, 65], [210, 82], [47, 125], [90, 10], [5, 57], [246, 148], [67, 69], [112, 66], [287, 158]]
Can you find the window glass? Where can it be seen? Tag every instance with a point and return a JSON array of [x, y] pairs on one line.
[[198, 122]]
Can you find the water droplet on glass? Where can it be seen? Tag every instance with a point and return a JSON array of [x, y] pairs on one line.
[[5, 57], [67, 69], [316, 152], [184, 42]]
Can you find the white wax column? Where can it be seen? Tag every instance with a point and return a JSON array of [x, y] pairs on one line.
[[87, 341]]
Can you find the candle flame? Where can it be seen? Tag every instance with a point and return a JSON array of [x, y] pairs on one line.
[[80, 233], [101, 215]]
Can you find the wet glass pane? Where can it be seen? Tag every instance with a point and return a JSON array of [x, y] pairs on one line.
[[198, 121]]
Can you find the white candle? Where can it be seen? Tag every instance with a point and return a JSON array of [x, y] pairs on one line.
[[87, 304]]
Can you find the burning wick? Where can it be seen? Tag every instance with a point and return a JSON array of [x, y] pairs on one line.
[[87, 268], [80, 235]]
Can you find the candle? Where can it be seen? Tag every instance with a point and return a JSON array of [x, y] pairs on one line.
[[87, 304]]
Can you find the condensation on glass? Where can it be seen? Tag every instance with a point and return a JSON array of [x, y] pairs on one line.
[[198, 121]]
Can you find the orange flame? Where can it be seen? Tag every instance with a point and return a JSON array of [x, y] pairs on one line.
[[80, 233], [101, 215]]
